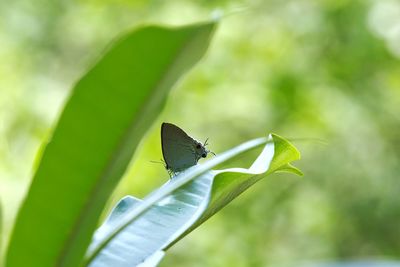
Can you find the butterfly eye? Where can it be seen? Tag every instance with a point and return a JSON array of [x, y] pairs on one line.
[[198, 146], [204, 155]]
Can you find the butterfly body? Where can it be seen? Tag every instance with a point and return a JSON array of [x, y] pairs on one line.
[[180, 151]]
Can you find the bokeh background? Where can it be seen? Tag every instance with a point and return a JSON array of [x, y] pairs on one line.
[[326, 69]]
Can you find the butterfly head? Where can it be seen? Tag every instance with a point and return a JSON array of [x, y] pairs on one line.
[[201, 150]]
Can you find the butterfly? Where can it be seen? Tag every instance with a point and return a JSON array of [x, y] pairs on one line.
[[180, 151]]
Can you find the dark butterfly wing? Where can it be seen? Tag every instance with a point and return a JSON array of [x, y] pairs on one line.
[[178, 148]]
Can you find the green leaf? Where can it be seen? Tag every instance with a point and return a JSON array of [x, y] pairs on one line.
[[136, 230], [106, 116]]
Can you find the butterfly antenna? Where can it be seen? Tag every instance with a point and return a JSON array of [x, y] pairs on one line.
[[208, 151], [205, 143]]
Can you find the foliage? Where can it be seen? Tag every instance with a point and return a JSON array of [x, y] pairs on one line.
[[136, 230], [106, 116], [326, 69]]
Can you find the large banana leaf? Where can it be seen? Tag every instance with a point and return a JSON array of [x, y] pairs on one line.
[[137, 230], [109, 110]]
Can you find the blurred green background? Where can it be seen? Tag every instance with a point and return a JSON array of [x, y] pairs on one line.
[[323, 69]]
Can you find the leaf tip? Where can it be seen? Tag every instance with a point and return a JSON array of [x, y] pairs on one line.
[[295, 153]]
